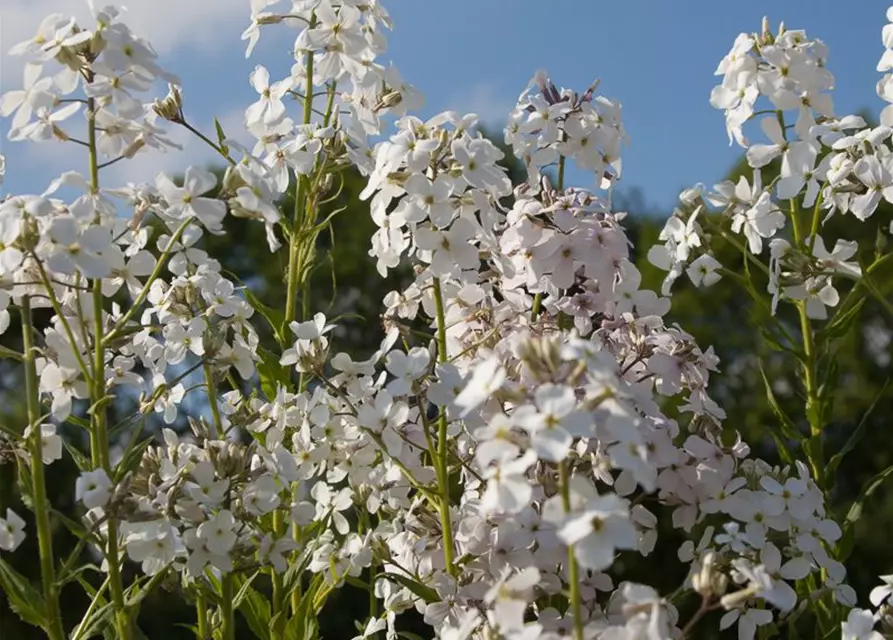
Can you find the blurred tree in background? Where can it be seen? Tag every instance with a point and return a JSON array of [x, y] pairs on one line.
[[347, 288]]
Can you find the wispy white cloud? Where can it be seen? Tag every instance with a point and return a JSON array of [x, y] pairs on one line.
[[202, 25], [491, 105]]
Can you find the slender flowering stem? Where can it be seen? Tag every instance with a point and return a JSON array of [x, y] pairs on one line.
[[573, 571], [227, 612], [38, 481], [296, 268], [99, 441], [201, 614], [442, 443], [814, 451]]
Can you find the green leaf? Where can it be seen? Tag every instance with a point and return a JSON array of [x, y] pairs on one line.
[[80, 422], [271, 373], [359, 584], [303, 624], [847, 544], [256, 611], [82, 462], [221, 137], [424, 592], [274, 317], [98, 623], [189, 627], [111, 633], [12, 433], [242, 593], [23, 599], [841, 322], [857, 434], [870, 487], [132, 456], [787, 431]]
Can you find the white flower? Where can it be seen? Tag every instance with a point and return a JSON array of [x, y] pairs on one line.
[[859, 625], [50, 443], [36, 94], [93, 488], [602, 527], [879, 594], [406, 369], [508, 487], [704, 271], [510, 596], [12, 531], [269, 109], [186, 201], [486, 379], [218, 532], [760, 221], [554, 422], [154, 544], [818, 293], [748, 621]]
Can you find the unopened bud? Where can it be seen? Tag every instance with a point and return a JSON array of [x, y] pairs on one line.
[[326, 184], [737, 598], [171, 107], [272, 19], [708, 581], [131, 149], [387, 100]]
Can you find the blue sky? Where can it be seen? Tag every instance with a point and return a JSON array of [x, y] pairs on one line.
[[656, 57]]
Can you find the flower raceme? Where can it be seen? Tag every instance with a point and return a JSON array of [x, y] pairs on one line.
[[539, 393]]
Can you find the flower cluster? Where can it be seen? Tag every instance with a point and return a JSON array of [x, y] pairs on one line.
[[494, 474]]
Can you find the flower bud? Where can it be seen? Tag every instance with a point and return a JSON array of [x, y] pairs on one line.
[[171, 107], [737, 598], [131, 149], [387, 100]]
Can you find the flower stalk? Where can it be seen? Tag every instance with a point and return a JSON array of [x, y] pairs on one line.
[[53, 627]]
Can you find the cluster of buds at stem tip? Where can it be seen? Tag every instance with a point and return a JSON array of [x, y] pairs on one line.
[[171, 107], [709, 582]]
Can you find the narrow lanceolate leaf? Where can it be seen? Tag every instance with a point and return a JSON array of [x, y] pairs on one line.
[[23, 598], [870, 487], [787, 431], [858, 432], [255, 608], [272, 374]]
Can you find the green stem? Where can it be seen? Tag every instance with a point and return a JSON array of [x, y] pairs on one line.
[[561, 162], [66, 326], [212, 399], [226, 608], [809, 365], [201, 613], [54, 627], [816, 219], [296, 269], [208, 141], [115, 331], [280, 602], [572, 568], [441, 465], [99, 441]]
